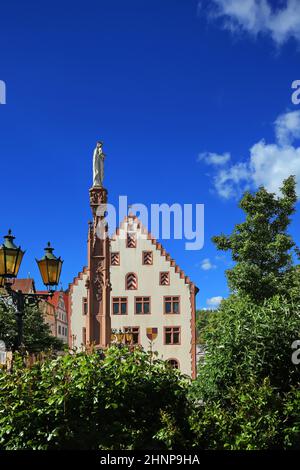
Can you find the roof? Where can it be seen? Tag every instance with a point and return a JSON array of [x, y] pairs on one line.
[[54, 300], [24, 285]]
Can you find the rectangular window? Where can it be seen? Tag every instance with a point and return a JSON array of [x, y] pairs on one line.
[[172, 334], [84, 306], [142, 305], [115, 258], [59, 329], [147, 257], [131, 240], [132, 335], [164, 278], [172, 305], [119, 305], [83, 335]]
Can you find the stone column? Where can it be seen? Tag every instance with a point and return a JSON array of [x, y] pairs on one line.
[[99, 287]]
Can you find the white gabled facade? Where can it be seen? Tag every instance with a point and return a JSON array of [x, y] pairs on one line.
[[177, 290], [148, 291]]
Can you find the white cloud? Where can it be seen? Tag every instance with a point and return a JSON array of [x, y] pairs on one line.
[[214, 158], [228, 181], [260, 16], [206, 265], [268, 164], [214, 302], [287, 127]]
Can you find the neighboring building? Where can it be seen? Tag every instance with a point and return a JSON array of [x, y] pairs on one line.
[[27, 286], [49, 315], [132, 284], [59, 301]]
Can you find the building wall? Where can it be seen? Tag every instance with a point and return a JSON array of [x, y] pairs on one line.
[[61, 319], [78, 292], [49, 315], [149, 286]]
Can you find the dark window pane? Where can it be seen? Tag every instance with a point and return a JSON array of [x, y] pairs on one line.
[[175, 338], [123, 308], [135, 338], [168, 338], [116, 308], [176, 307], [168, 307], [138, 307], [146, 307]]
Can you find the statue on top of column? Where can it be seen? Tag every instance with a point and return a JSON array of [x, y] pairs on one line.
[[98, 165]]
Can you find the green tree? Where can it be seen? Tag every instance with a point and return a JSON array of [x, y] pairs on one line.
[[202, 319], [248, 417], [261, 246], [245, 340], [36, 335], [128, 400]]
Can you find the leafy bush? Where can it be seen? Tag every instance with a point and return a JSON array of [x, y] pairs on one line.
[[245, 340], [249, 417], [125, 401]]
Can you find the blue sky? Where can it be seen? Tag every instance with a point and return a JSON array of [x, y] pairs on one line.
[[170, 87]]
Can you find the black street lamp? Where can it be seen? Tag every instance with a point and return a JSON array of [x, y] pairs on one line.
[[10, 261]]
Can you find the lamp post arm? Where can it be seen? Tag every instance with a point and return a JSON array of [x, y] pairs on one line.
[[19, 300]]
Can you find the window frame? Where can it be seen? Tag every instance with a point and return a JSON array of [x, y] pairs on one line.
[[137, 281], [115, 253], [83, 335], [169, 281], [143, 302], [143, 258], [113, 301], [172, 333], [173, 359], [139, 333], [135, 239], [172, 302], [85, 303]]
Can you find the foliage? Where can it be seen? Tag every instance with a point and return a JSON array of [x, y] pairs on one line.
[[202, 319], [261, 246], [248, 417], [36, 335], [292, 419], [245, 340], [125, 401]]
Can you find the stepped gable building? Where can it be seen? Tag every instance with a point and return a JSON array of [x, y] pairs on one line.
[[131, 284]]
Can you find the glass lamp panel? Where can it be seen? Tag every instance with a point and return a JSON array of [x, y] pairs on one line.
[[43, 270], [13, 260], [54, 270], [18, 261], [2, 263]]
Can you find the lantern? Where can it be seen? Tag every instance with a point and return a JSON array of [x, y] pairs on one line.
[[50, 267], [10, 257]]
